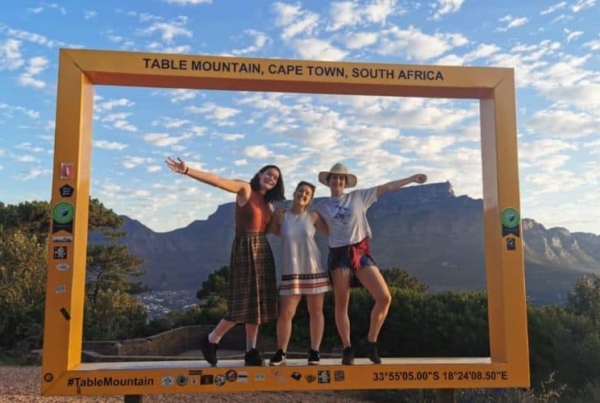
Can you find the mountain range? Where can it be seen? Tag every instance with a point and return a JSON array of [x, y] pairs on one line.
[[425, 230]]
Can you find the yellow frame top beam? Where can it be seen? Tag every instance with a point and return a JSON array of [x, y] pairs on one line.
[[283, 75]]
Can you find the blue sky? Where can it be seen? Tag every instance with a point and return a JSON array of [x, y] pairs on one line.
[[553, 46]]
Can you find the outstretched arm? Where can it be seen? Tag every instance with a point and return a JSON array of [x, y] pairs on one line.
[[231, 185], [395, 185]]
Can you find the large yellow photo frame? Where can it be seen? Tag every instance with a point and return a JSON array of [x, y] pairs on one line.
[[64, 374]]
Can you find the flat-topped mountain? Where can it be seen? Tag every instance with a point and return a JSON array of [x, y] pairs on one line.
[[425, 230]]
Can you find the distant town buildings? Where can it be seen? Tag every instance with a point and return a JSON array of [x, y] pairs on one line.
[[160, 303]]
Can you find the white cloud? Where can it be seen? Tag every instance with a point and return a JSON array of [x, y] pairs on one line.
[[114, 103], [572, 35], [170, 123], [554, 8], [35, 173], [107, 145], [443, 7], [36, 66], [359, 40], [118, 120], [29, 147], [10, 54], [414, 44], [26, 158], [257, 152], [30, 37], [240, 163], [294, 20], [260, 40], [318, 49], [377, 11], [232, 137], [90, 14], [564, 124], [344, 13], [130, 162], [168, 31], [594, 149], [214, 112], [9, 109], [124, 125], [154, 168], [582, 5], [351, 13], [593, 45], [512, 22], [180, 95], [161, 48], [163, 139]]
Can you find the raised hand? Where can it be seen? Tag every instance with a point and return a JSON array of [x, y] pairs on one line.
[[176, 166], [420, 178]]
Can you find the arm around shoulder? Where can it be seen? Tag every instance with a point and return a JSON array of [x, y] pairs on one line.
[[320, 223], [274, 226]]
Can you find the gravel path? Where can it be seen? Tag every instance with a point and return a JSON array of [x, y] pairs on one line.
[[22, 384]]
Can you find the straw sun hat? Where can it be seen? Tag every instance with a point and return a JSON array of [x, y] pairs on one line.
[[338, 169]]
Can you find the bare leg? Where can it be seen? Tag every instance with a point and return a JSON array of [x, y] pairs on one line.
[[251, 335], [317, 321], [220, 330], [341, 292], [373, 281], [287, 310]]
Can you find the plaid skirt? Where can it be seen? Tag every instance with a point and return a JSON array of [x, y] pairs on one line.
[[252, 280]]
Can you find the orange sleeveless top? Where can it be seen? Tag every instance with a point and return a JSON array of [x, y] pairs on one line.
[[254, 215]]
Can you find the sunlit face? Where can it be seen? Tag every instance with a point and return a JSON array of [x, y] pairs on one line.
[[303, 195], [337, 182], [269, 178]]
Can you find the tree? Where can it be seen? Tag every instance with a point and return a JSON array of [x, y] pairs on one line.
[[25, 228], [585, 298], [115, 315], [27, 218], [216, 285], [110, 267], [23, 263]]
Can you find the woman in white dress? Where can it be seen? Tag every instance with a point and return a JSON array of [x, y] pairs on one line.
[[303, 272]]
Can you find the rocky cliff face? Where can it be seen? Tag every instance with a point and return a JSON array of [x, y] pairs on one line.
[[426, 230]]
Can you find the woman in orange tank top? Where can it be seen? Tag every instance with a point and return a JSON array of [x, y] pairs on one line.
[[252, 279]]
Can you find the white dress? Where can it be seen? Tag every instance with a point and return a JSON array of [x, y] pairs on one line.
[[302, 269]]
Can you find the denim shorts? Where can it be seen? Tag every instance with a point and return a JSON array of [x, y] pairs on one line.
[[344, 262]]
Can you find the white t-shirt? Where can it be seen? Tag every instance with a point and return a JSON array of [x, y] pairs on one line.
[[346, 216]]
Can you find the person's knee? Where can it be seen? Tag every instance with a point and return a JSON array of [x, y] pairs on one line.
[[384, 299], [315, 311], [287, 314]]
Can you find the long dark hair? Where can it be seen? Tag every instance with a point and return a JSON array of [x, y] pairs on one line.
[[274, 195]]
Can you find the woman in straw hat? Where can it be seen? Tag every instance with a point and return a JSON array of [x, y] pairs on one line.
[[350, 251], [252, 280]]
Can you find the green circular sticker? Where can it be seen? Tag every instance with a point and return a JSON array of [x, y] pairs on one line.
[[510, 217], [63, 213]]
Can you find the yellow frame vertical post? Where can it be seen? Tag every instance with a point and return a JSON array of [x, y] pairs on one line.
[[81, 69], [66, 276]]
